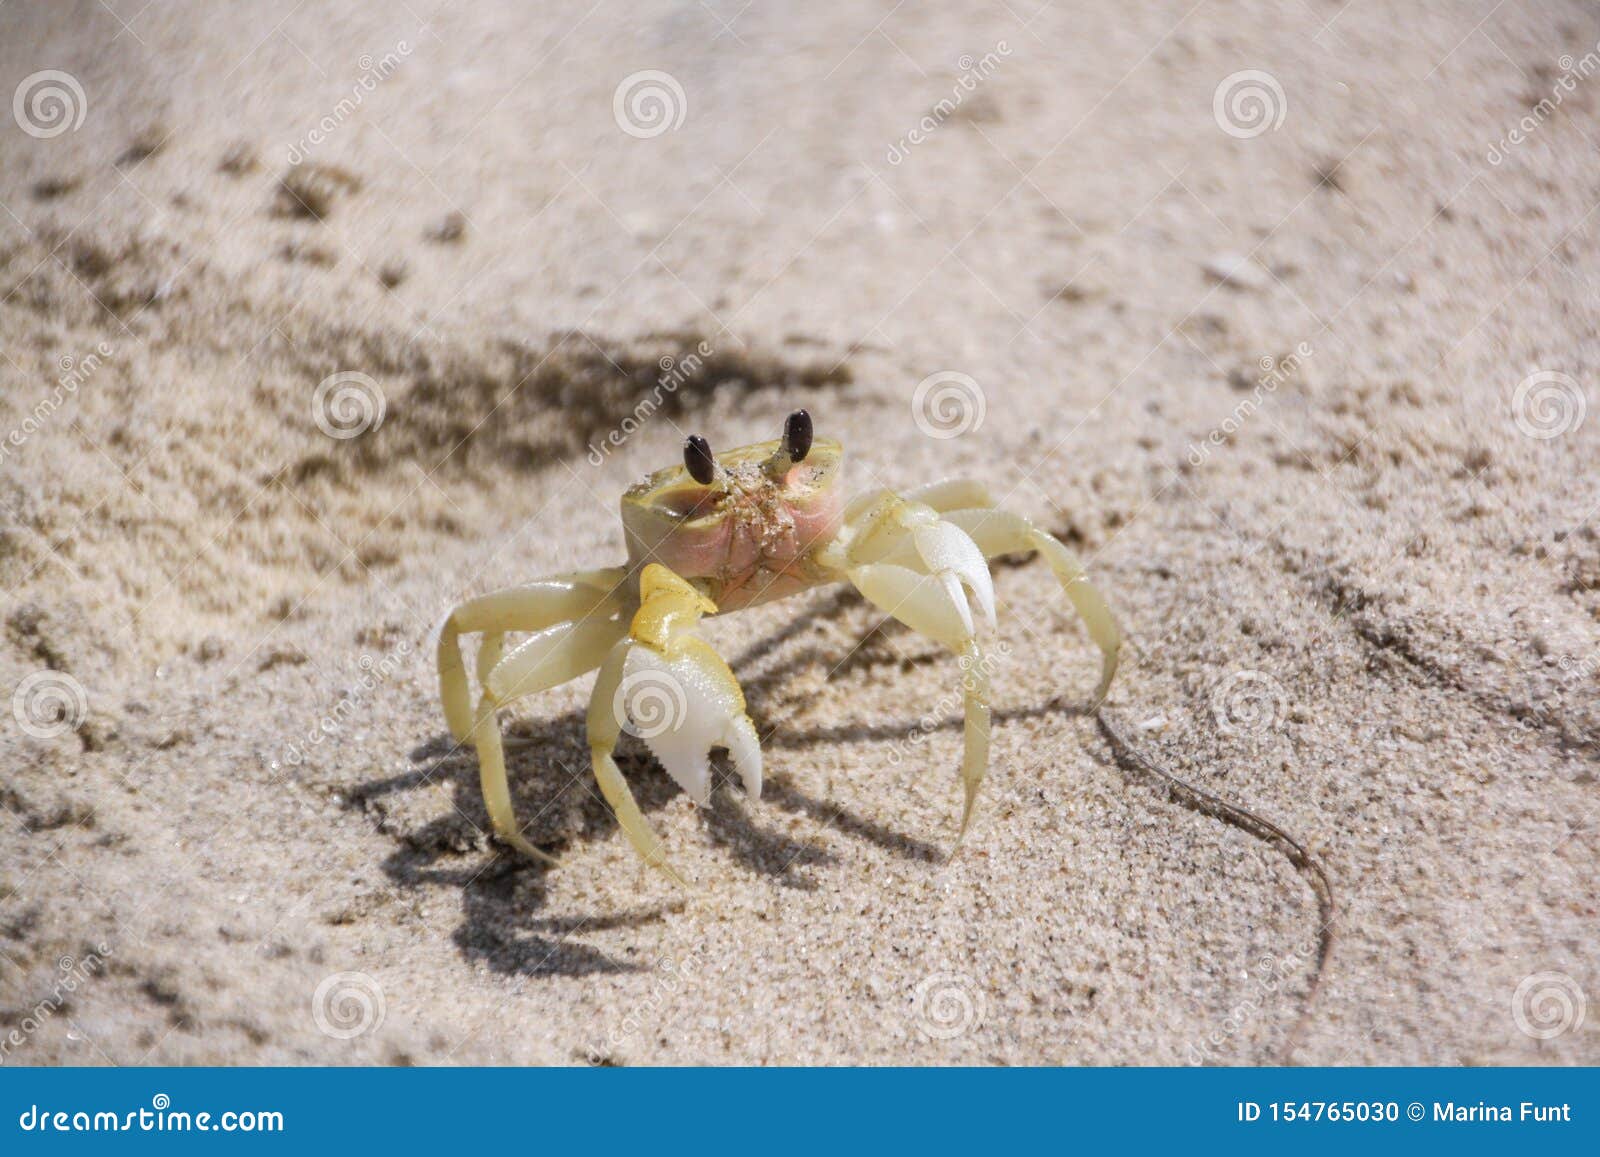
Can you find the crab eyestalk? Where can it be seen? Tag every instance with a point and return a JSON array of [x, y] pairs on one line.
[[698, 460], [762, 515], [793, 447]]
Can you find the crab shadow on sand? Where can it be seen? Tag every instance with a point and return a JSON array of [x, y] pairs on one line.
[[559, 805]]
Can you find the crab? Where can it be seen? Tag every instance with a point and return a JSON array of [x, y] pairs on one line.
[[721, 533]]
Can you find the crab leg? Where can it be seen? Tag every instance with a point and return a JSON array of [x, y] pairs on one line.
[[532, 607], [952, 494], [558, 652], [666, 685], [925, 605], [604, 729], [1001, 532], [905, 558], [549, 658], [913, 556], [994, 532]]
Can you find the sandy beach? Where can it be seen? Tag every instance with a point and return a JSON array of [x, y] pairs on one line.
[[316, 320]]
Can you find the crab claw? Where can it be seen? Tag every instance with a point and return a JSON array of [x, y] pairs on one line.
[[684, 704], [913, 535], [951, 556], [665, 684]]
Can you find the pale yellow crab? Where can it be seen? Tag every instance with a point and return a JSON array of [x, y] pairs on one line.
[[718, 534]]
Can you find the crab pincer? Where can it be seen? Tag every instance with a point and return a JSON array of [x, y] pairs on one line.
[[665, 685]]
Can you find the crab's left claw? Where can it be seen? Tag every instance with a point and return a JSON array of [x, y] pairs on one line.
[[913, 535], [666, 685], [925, 605]]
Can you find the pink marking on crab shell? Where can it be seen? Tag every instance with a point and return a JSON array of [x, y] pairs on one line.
[[698, 551], [733, 548], [816, 522]]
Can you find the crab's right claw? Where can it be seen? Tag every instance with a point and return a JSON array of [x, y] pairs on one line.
[[604, 728], [682, 706], [667, 686]]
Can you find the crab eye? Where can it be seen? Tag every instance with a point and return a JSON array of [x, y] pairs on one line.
[[797, 435], [698, 459]]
